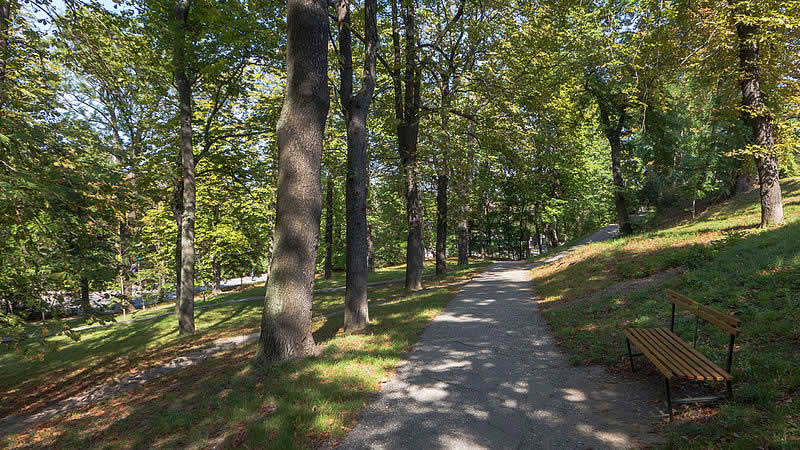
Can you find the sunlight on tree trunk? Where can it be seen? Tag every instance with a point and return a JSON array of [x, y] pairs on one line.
[[286, 320]]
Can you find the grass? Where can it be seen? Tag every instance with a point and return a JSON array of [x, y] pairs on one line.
[[223, 397], [241, 292], [730, 265]]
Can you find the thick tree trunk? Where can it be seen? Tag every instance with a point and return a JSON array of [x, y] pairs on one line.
[[328, 264], [356, 109], [286, 321], [185, 304], [441, 224], [761, 123]]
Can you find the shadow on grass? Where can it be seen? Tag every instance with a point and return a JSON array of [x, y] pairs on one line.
[[228, 402]]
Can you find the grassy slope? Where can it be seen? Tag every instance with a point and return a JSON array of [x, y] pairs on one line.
[[731, 266], [388, 273], [27, 384]]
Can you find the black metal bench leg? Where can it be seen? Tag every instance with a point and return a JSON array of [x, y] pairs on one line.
[[630, 355], [669, 398], [730, 388]]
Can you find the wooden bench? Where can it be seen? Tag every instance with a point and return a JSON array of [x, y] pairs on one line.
[[675, 358]]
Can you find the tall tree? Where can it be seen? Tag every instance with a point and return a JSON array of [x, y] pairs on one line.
[[758, 113], [184, 304], [356, 109], [613, 115], [286, 320], [406, 79]]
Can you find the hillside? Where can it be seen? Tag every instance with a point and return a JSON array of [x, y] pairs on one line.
[[723, 260]]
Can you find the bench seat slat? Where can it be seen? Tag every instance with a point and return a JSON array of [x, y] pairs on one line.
[[651, 353], [717, 372], [673, 356], [672, 360], [703, 371], [676, 358]]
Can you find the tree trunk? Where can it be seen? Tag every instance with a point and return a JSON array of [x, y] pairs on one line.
[[415, 256], [185, 303], [441, 224], [329, 228], [216, 266], [619, 185], [760, 120], [407, 104], [370, 250], [463, 242], [177, 209], [216, 275], [613, 131], [87, 307], [356, 109], [5, 24], [743, 182], [286, 321]]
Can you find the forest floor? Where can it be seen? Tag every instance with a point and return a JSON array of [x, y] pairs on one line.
[[313, 398], [721, 259]]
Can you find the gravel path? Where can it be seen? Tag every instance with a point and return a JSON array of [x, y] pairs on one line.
[[487, 374]]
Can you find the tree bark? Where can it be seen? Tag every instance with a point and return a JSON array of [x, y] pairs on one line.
[[177, 209], [87, 307], [370, 250], [286, 320], [356, 110], [407, 105], [329, 228], [5, 24], [216, 266], [463, 242], [760, 120], [185, 303], [613, 132], [216, 275], [441, 224], [442, 179]]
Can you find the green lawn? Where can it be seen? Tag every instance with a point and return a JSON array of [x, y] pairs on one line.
[[105, 353], [233, 293], [732, 266]]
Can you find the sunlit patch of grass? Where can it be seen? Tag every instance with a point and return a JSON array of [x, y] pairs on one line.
[[225, 401], [731, 266]]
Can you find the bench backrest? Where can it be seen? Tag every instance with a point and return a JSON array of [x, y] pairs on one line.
[[727, 323]]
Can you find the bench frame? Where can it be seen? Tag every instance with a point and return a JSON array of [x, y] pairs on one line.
[[727, 323]]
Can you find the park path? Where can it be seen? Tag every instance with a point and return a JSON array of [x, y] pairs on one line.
[[487, 373]]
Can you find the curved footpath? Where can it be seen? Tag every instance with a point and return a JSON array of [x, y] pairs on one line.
[[486, 373]]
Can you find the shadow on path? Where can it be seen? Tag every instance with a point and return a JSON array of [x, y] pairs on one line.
[[487, 373]]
